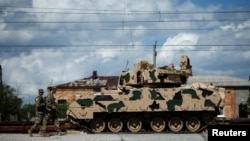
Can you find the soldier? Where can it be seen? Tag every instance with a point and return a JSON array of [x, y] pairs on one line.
[[51, 107], [40, 115]]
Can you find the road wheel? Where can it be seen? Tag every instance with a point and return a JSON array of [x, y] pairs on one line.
[[97, 125], [193, 124], [134, 125], [115, 125], [175, 124], [157, 124]]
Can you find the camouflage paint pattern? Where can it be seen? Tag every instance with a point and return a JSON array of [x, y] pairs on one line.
[[149, 89], [144, 73], [189, 98]]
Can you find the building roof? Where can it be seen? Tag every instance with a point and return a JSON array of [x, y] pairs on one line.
[[100, 81], [93, 81], [111, 82], [223, 81]]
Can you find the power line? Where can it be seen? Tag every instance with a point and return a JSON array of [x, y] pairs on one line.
[[134, 51], [106, 29], [90, 48], [119, 22], [144, 21], [93, 11], [108, 11], [126, 13], [116, 45]]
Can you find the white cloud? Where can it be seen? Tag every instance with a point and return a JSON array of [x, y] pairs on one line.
[[240, 30], [80, 59], [174, 44], [236, 27], [41, 66], [18, 36], [228, 27], [32, 64], [105, 55]]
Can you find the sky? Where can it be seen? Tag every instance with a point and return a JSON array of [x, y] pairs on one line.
[[45, 42]]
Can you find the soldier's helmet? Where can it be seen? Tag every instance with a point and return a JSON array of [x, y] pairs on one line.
[[40, 90], [50, 88]]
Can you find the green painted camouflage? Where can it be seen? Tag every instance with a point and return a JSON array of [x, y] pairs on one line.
[[196, 97], [144, 74], [149, 89]]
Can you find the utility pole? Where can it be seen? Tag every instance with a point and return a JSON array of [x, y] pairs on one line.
[[154, 54], [29, 108], [1, 77], [1, 89]]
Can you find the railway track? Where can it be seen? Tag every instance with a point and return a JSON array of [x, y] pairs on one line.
[[232, 121], [22, 127]]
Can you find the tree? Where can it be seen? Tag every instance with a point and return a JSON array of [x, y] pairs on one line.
[[10, 103], [248, 103], [244, 107], [28, 111]]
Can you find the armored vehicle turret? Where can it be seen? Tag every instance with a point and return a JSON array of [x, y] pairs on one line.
[[145, 74], [150, 99]]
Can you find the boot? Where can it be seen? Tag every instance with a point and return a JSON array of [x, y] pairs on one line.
[[44, 134], [60, 133], [30, 133]]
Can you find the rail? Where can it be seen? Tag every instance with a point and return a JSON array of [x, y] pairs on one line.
[[24, 126]]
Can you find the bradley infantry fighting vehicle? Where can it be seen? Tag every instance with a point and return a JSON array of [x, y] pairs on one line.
[[150, 98]]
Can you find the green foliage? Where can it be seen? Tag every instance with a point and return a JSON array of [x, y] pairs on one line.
[[28, 111], [248, 103], [245, 106], [10, 103]]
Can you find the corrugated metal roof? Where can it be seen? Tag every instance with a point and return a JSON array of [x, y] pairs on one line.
[[219, 80], [100, 81], [112, 81]]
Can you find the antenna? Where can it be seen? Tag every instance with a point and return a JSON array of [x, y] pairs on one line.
[[51, 82], [126, 65], [154, 54], [1, 77]]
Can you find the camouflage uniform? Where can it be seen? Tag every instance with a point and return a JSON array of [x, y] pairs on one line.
[[52, 109], [40, 114]]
